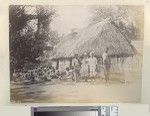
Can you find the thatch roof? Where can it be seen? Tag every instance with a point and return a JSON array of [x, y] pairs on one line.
[[94, 38]]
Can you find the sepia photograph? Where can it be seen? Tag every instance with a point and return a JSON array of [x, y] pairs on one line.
[[76, 53]]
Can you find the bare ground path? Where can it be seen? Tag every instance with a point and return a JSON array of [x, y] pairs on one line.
[[58, 91]]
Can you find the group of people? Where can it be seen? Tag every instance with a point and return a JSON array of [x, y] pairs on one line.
[[81, 68], [38, 73], [87, 66]]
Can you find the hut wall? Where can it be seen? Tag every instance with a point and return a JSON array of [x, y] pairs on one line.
[[54, 64], [127, 67], [124, 67], [130, 66], [63, 64]]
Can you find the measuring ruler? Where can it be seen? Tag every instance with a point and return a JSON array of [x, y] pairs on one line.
[[108, 111]]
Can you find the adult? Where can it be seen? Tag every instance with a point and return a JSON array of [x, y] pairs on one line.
[[92, 65], [106, 65], [76, 67], [84, 67]]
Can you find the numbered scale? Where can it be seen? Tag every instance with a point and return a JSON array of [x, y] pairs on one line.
[[108, 111]]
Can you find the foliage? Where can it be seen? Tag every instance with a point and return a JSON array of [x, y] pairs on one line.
[[26, 43], [127, 18]]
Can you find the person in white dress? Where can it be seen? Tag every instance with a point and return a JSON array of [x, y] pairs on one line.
[[92, 61]]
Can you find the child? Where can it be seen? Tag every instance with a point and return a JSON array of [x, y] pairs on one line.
[[69, 73]]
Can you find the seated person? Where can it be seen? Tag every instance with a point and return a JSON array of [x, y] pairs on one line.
[[69, 73]]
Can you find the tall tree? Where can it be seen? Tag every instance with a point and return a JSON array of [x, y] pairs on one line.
[[25, 44]]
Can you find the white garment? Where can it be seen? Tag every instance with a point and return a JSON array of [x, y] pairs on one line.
[[104, 56], [92, 65]]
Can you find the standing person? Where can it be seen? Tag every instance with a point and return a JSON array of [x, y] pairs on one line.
[[106, 65], [92, 65], [84, 67], [32, 76], [77, 66]]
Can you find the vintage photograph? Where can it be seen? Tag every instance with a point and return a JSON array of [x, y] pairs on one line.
[[76, 54]]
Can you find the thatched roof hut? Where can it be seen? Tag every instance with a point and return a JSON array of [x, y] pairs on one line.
[[94, 38]]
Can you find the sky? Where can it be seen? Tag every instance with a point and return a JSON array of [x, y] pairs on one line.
[[70, 17], [78, 17]]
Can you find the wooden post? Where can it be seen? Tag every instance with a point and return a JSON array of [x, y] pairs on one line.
[[57, 64], [70, 62]]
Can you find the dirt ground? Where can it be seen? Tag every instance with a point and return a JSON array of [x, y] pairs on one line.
[[67, 91]]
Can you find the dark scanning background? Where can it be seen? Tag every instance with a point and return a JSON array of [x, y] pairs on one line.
[[67, 113]]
